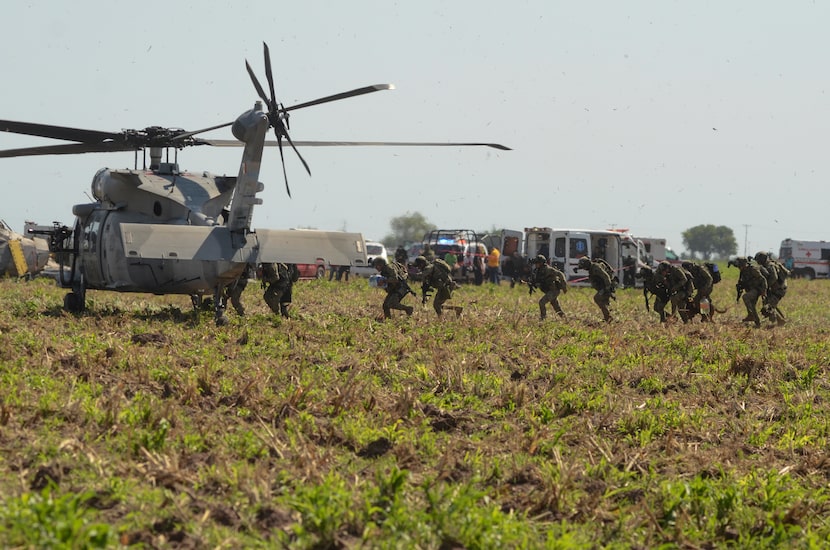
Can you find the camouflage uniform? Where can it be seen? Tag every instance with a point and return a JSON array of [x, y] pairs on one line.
[[601, 282], [754, 286], [234, 291], [396, 290], [437, 275], [679, 283], [776, 287], [551, 282], [703, 283], [655, 285], [278, 293]]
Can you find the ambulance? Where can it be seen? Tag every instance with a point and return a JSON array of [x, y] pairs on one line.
[[808, 259]]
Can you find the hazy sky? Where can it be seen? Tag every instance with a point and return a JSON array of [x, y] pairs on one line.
[[656, 116]]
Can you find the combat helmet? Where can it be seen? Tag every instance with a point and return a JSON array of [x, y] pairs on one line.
[[761, 257], [584, 262], [540, 259], [420, 261], [379, 261]]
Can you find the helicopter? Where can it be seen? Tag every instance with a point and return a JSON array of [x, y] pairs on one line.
[[21, 256], [159, 230]]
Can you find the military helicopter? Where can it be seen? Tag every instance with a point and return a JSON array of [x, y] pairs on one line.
[[21, 256], [162, 231]]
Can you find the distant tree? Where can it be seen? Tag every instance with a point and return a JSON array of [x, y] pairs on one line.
[[709, 241], [407, 228]]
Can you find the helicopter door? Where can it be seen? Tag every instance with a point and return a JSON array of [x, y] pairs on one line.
[[90, 248]]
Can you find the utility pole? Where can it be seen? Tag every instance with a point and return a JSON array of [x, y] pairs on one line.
[[746, 232]]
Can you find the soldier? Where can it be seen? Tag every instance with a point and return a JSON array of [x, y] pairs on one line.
[[437, 275], [753, 285], [278, 280], [400, 255], [601, 282], [776, 275], [680, 286], [233, 291], [656, 286], [551, 282], [395, 284], [703, 283]]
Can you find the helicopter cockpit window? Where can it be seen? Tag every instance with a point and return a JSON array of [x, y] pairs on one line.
[[91, 235]]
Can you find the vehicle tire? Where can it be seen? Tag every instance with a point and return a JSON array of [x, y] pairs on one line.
[[810, 274], [321, 271]]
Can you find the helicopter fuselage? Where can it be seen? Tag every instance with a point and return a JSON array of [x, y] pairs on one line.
[[105, 258]]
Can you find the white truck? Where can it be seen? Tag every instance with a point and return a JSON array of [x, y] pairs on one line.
[[564, 248], [657, 250], [808, 259]]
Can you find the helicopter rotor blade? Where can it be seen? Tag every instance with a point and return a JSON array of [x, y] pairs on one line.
[[343, 95], [270, 77], [234, 143], [56, 132], [258, 87], [282, 160], [67, 149], [186, 135]]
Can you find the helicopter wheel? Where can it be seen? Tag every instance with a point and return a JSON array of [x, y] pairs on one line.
[[73, 303]]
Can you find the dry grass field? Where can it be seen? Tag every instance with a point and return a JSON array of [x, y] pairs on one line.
[[141, 423]]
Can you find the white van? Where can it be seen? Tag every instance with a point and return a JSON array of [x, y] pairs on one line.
[[373, 250]]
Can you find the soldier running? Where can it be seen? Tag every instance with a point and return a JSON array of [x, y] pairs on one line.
[[437, 275], [551, 282], [601, 282], [776, 275], [752, 285], [395, 284]]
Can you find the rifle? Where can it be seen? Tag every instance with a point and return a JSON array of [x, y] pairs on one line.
[[739, 288], [645, 295]]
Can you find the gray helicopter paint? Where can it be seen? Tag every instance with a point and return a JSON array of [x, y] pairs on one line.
[[167, 242]]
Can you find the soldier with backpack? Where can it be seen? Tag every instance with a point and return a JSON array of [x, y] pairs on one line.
[[551, 282], [600, 281], [680, 285], [776, 275], [395, 282], [656, 287], [278, 281], [437, 275], [703, 282]]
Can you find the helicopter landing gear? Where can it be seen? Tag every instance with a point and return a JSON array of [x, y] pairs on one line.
[[75, 301], [72, 303]]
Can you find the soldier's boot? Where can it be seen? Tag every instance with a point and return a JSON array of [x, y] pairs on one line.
[[606, 314], [543, 312], [284, 310], [748, 318], [662, 316], [561, 313], [757, 321], [458, 311], [408, 310]]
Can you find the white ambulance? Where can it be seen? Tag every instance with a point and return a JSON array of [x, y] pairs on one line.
[[809, 259], [564, 247]]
